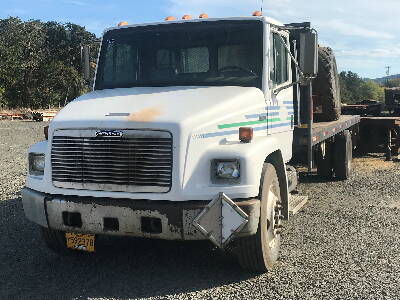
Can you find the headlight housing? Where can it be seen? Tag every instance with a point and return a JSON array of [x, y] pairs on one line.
[[225, 171], [36, 164]]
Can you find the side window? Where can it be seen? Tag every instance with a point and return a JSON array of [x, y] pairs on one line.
[[279, 60]]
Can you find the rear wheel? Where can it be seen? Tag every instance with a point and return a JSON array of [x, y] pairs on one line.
[[324, 161], [259, 252], [343, 155]]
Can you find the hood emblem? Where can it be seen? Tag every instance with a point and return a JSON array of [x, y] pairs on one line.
[[109, 133], [117, 114]]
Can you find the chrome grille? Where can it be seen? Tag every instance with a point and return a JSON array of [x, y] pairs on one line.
[[139, 161]]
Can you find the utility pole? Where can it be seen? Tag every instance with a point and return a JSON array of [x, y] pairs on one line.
[[387, 74], [388, 70]]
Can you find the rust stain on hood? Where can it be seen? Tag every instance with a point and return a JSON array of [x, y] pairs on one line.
[[145, 115]]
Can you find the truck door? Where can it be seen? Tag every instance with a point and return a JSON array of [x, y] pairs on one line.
[[280, 110]]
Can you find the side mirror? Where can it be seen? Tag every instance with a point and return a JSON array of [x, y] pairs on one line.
[[86, 62], [309, 53]]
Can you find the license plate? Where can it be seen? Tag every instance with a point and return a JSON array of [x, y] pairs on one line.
[[82, 242]]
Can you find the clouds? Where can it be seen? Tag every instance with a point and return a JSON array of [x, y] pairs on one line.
[[365, 35], [356, 29]]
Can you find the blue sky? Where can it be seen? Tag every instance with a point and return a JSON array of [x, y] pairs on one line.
[[365, 35]]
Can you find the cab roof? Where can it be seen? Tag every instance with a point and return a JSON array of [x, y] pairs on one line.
[[261, 18]]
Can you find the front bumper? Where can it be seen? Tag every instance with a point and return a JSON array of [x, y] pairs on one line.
[[170, 220]]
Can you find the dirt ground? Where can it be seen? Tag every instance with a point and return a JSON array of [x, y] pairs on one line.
[[344, 244]]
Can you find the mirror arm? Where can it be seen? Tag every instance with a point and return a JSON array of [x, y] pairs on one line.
[[291, 56], [278, 90]]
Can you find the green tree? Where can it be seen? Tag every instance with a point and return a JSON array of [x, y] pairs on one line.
[[350, 84], [370, 90], [393, 83], [40, 63], [355, 89]]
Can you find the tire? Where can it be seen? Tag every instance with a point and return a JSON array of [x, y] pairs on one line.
[[324, 161], [259, 252], [326, 86], [343, 155], [55, 240], [395, 151]]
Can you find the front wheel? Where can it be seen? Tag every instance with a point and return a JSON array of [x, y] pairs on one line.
[[259, 252]]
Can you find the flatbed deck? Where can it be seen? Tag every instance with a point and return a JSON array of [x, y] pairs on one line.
[[323, 130]]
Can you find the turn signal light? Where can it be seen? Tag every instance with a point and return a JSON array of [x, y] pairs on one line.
[[186, 17], [257, 13], [46, 132], [169, 18], [122, 23], [203, 16], [245, 134]]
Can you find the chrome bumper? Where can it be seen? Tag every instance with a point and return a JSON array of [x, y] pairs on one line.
[[140, 218]]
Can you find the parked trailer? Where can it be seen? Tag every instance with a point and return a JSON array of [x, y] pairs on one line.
[[392, 100], [379, 130], [188, 135], [380, 135]]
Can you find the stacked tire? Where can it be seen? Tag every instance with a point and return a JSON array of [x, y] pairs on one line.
[[326, 87]]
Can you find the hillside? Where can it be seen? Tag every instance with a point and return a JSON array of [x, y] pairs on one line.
[[384, 79]]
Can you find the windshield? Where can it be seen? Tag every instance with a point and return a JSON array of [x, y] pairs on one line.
[[200, 53]]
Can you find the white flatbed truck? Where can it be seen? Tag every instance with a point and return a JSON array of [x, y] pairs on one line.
[[187, 135]]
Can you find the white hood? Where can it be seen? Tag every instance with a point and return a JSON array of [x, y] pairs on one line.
[[155, 107]]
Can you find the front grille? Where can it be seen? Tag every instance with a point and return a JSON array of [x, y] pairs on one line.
[[139, 161]]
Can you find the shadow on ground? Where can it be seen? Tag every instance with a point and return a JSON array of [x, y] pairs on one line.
[[121, 268]]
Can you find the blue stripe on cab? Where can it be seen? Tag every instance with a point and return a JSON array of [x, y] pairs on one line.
[[215, 134], [260, 128], [279, 125], [270, 114], [288, 102], [273, 108], [256, 116]]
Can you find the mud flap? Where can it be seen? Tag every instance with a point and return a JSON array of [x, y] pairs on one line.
[[221, 220]]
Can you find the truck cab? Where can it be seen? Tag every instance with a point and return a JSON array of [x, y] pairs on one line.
[[184, 117]]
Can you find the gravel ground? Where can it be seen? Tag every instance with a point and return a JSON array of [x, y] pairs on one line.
[[343, 245]]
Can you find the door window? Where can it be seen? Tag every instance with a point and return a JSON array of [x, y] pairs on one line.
[[279, 60]]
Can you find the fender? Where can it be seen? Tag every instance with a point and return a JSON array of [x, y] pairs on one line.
[[250, 155], [259, 151]]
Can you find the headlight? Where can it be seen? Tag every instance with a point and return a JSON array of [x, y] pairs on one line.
[[36, 164], [229, 169]]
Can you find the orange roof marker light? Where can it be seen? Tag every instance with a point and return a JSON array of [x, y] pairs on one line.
[[170, 18], [257, 13], [122, 23], [203, 16], [186, 17]]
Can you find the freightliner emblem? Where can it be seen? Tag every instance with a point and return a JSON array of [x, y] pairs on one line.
[[111, 133]]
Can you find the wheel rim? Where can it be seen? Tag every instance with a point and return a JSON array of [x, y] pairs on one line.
[[274, 217]]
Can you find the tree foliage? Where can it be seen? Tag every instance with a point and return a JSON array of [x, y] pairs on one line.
[[393, 83], [355, 89], [40, 63]]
